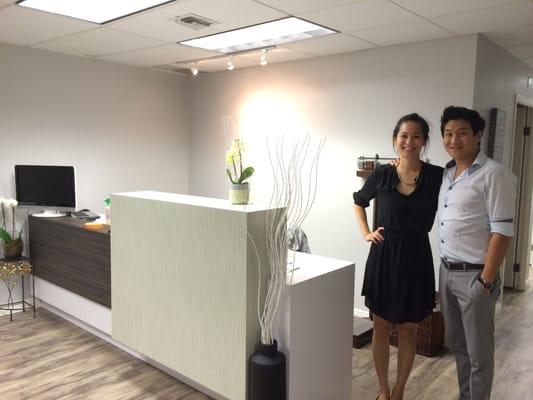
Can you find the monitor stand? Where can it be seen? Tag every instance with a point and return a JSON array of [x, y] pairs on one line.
[[49, 214]]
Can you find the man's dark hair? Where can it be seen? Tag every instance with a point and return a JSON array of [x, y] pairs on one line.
[[476, 121]]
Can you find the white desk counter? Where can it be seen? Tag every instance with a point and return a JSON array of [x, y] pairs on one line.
[[316, 326]]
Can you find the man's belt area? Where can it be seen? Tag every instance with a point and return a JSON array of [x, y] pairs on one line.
[[461, 266]]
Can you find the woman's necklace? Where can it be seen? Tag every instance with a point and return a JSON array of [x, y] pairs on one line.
[[408, 182]]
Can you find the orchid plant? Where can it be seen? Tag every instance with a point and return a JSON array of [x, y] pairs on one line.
[[8, 229], [234, 163]]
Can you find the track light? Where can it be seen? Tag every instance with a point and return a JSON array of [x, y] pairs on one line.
[[230, 64], [194, 69], [264, 58]]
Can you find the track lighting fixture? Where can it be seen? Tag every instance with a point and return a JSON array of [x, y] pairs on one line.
[[264, 57], [194, 69], [230, 64]]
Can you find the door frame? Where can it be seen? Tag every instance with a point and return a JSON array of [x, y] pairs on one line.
[[519, 281]]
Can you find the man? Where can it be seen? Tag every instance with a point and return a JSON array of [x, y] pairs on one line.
[[475, 216]]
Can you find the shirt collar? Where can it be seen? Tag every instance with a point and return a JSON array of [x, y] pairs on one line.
[[479, 161]]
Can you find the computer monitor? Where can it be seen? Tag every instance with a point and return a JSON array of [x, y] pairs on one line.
[[49, 187]]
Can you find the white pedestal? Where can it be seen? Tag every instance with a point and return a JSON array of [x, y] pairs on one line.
[[315, 328]]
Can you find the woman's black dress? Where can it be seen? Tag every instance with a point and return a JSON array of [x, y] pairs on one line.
[[399, 282]]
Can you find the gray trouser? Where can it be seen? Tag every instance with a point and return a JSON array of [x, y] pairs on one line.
[[469, 320]]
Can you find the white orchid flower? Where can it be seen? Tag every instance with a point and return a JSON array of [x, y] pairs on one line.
[[11, 203]]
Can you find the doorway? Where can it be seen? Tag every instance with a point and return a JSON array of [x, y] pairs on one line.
[[518, 257]]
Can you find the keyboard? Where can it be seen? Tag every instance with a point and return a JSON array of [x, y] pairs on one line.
[[84, 215]]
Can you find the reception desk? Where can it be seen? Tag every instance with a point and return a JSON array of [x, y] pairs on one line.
[[184, 284], [184, 279], [184, 293]]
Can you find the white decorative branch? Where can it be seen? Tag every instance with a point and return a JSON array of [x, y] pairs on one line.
[[289, 206]]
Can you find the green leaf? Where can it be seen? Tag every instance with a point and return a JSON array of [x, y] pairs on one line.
[[5, 236], [229, 176], [248, 172]]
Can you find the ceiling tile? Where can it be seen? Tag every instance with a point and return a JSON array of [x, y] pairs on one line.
[[4, 3], [361, 15], [302, 6], [155, 25], [522, 51], [433, 8], [529, 62], [512, 36], [24, 26], [230, 14], [159, 55], [98, 42], [512, 16], [331, 44], [404, 33]]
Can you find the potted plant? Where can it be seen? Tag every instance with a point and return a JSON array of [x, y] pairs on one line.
[[239, 192], [12, 240]]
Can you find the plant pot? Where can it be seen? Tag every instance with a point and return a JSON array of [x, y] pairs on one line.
[[239, 193], [267, 373], [13, 249]]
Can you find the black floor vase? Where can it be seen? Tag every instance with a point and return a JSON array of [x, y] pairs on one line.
[[267, 373]]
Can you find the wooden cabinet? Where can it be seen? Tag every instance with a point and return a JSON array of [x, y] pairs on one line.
[[68, 255]]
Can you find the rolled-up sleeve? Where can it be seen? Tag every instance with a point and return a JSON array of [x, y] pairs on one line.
[[500, 201], [368, 191]]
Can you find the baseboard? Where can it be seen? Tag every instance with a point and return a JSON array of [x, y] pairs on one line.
[[357, 312]]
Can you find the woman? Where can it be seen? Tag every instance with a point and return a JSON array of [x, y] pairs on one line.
[[399, 283]]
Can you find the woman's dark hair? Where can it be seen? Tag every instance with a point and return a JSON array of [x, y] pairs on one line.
[[476, 121], [414, 117]]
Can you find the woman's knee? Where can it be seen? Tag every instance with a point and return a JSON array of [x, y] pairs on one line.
[[407, 329], [382, 327]]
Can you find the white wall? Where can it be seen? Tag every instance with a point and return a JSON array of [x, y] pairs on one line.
[[351, 99], [499, 77], [123, 128]]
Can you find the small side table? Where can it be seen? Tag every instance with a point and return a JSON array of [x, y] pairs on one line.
[[12, 272]]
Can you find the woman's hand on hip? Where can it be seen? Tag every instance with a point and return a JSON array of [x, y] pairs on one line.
[[376, 236]]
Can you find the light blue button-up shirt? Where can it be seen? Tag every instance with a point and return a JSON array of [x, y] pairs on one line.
[[479, 202]]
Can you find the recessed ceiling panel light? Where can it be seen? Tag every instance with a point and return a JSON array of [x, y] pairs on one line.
[[253, 37], [98, 11]]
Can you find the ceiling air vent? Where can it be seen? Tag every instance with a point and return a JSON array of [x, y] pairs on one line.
[[194, 21]]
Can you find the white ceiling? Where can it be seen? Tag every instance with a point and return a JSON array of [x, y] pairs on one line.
[[149, 39]]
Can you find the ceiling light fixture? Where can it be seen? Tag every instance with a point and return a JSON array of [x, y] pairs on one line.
[[529, 81], [271, 33], [194, 69], [264, 57], [99, 12], [230, 64]]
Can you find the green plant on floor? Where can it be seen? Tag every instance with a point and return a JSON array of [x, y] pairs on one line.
[[234, 163]]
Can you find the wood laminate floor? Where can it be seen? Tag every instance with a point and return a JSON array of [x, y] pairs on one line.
[[51, 359]]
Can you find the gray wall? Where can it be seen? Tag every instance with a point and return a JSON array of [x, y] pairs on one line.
[[353, 100], [123, 128], [499, 77]]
